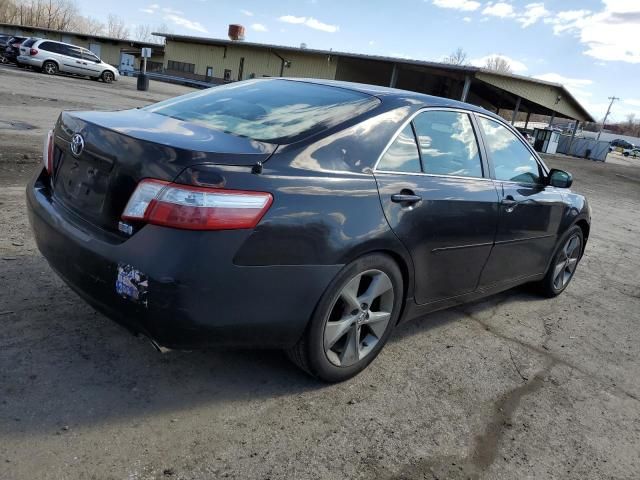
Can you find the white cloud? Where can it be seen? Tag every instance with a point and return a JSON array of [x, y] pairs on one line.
[[186, 23], [532, 13], [632, 101], [464, 5], [258, 27], [467, 19], [292, 19], [516, 65], [247, 13], [172, 11], [372, 42], [147, 10], [310, 22], [610, 34], [499, 9]]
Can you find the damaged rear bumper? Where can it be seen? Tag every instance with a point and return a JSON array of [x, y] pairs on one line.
[[191, 294]]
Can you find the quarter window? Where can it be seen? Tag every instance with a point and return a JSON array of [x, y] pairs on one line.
[[402, 155], [512, 161], [448, 144]]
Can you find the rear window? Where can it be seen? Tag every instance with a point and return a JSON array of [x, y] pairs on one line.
[[273, 111], [28, 43]]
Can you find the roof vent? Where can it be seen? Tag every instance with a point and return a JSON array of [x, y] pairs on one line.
[[236, 32]]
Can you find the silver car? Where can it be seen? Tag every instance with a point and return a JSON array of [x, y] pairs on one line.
[[52, 57]]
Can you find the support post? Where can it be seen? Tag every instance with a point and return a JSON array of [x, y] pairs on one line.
[[394, 76], [526, 123], [553, 117], [573, 135], [465, 88], [515, 111]]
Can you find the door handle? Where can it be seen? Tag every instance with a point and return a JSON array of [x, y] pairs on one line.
[[406, 198], [510, 203]]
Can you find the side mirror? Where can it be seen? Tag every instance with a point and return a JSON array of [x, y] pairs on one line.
[[560, 178]]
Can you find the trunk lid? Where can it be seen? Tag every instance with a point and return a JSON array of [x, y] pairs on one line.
[[121, 148]]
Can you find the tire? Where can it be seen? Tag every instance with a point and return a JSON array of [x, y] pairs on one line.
[[568, 254], [626, 154], [344, 336], [50, 68], [20, 65], [107, 76]]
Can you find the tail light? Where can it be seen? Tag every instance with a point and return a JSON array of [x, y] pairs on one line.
[[33, 51], [195, 208], [47, 152]]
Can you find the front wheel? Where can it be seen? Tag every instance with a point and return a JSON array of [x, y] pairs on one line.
[[107, 76], [564, 263], [352, 321]]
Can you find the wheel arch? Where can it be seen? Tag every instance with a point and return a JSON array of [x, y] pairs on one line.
[[585, 227]]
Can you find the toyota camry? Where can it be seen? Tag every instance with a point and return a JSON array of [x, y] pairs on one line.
[[305, 215]]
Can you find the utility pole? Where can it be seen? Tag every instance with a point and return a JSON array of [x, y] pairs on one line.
[[613, 99]]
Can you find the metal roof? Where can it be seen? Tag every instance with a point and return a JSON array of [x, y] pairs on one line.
[[133, 43]]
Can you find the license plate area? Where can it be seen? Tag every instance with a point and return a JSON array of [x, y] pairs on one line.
[[82, 183]]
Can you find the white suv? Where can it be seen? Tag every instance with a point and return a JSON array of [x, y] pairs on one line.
[[52, 57]]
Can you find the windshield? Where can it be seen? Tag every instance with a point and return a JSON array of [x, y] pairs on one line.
[[273, 111]]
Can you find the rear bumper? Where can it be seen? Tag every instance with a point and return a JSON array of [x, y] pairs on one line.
[[196, 297], [28, 60]]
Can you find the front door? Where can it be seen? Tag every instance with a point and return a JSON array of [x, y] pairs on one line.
[[530, 210], [439, 201]]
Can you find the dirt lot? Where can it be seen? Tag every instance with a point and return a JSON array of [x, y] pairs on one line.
[[511, 387]]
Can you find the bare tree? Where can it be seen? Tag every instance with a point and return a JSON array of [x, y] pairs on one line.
[[117, 27], [88, 26], [458, 57], [142, 33], [498, 64], [162, 28]]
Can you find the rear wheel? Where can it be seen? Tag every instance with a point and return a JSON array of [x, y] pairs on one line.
[[564, 263], [107, 76], [50, 68], [352, 321]]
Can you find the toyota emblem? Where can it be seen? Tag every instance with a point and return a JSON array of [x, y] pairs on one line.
[[77, 144]]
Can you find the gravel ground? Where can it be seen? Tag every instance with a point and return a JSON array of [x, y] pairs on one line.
[[514, 386]]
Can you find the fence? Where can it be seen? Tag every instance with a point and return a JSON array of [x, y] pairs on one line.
[[583, 147]]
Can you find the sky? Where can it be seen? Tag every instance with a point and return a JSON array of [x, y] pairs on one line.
[[590, 46]]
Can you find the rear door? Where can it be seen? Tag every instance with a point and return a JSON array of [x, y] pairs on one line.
[[71, 59], [530, 210], [439, 200]]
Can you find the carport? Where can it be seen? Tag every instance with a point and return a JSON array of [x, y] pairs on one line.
[[492, 90]]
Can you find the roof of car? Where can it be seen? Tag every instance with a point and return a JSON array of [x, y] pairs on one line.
[[395, 93]]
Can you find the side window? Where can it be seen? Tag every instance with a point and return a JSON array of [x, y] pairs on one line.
[[49, 47], [448, 144], [512, 161], [402, 155], [89, 56], [71, 51]]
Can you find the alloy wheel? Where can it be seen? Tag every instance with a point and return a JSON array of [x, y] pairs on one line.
[[566, 262], [50, 68], [358, 318], [107, 77]]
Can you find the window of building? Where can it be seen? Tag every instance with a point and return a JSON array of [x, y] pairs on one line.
[[181, 66]]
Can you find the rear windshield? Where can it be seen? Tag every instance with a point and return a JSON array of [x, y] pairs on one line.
[[273, 111], [28, 43]]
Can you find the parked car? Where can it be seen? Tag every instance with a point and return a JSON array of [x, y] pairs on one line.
[[632, 152], [621, 143], [52, 57], [306, 215], [11, 49]]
